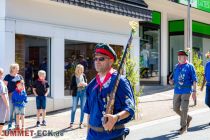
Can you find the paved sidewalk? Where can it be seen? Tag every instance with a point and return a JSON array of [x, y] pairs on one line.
[[159, 103], [156, 105]]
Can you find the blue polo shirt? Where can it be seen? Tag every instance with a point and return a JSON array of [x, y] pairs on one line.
[[184, 76], [207, 73], [96, 101]]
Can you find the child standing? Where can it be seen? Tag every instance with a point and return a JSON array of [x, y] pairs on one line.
[[41, 90], [19, 100], [4, 102]]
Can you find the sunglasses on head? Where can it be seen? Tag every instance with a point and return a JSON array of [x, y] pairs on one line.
[[100, 59]]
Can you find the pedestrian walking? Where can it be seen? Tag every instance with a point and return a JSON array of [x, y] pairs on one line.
[[206, 80], [184, 80], [98, 92], [77, 89]]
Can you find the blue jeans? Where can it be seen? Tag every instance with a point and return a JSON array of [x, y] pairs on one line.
[[207, 99], [80, 95], [12, 108]]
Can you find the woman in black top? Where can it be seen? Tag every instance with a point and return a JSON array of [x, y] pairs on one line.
[[78, 84], [10, 81]]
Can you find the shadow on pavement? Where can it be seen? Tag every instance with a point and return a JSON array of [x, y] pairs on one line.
[[60, 132], [169, 136], [30, 127], [175, 134], [52, 112], [199, 127], [156, 101], [67, 129], [149, 90]]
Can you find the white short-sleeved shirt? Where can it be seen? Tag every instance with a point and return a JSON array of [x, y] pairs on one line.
[[3, 113]]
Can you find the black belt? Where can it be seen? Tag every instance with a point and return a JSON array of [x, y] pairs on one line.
[[101, 129]]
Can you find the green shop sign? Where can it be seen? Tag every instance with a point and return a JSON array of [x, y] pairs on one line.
[[203, 5]]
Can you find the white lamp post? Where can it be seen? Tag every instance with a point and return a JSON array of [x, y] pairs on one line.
[[189, 34]]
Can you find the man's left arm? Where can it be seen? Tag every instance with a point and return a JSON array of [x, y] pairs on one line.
[[194, 79], [194, 90], [127, 105]]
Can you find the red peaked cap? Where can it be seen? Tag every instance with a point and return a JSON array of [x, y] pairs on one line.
[[105, 49], [181, 52]]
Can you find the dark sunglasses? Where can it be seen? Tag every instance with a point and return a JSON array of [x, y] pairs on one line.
[[100, 59]]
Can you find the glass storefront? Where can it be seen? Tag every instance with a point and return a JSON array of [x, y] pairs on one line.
[[176, 44], [32, 53], [150, 54], [201, 45], [77, 52]]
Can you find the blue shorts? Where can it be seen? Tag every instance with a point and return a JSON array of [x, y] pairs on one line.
[[41, 102], [19, 110]]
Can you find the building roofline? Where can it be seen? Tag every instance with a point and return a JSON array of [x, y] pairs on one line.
[[131, 8]]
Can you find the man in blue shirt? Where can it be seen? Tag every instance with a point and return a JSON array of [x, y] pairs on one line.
[[184, 78], [97, 96], [207, 81]]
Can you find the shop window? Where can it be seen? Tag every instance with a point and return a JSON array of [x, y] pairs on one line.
[[32, 54], [149, 54], [201, 45], [77, 52], [176, 44]]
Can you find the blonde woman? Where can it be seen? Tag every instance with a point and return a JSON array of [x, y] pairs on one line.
[[78, 84], [10, 81]]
